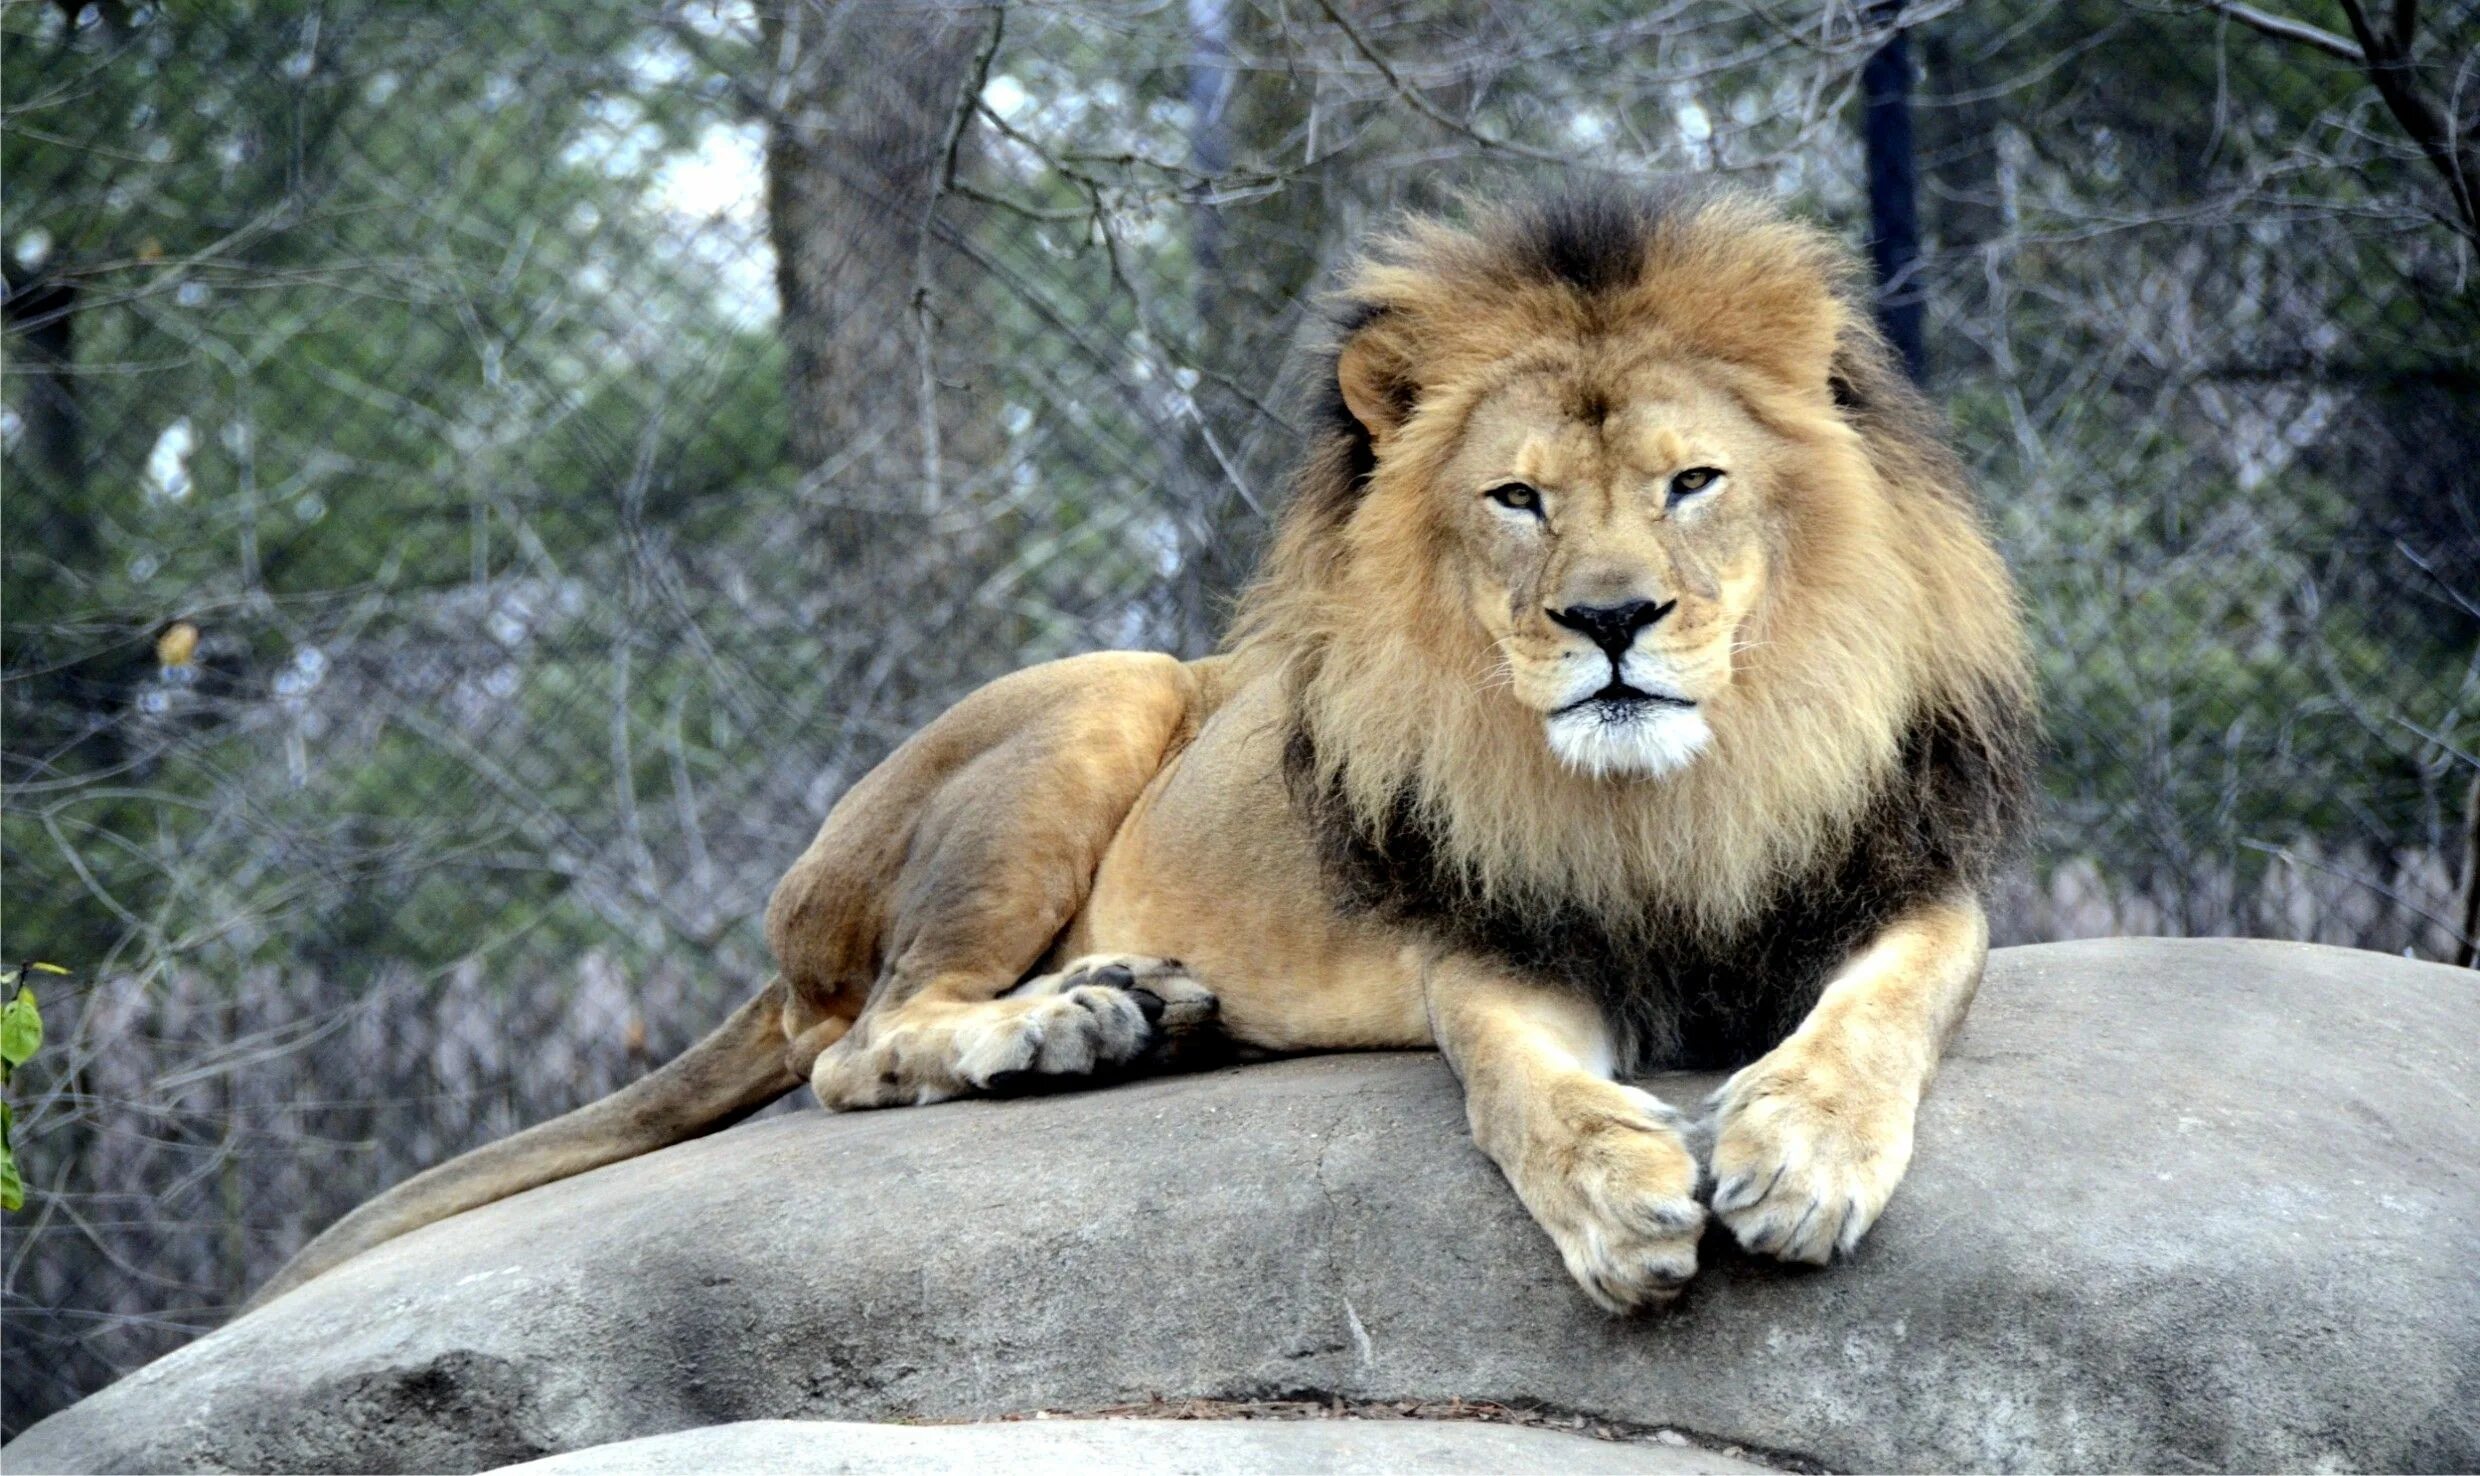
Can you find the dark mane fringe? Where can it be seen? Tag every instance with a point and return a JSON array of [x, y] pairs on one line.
[[1335, 467], [1954, 809], [1905, 431], [1593, 239]]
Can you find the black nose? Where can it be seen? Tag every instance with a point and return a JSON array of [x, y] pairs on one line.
[[1612, 627]]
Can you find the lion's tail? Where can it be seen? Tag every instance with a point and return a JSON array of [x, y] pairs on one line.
[[733, 1072]]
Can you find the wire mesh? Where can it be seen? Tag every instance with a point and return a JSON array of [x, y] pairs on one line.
[[581, 439]]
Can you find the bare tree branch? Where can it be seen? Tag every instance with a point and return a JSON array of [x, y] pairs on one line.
[[2389, 67], [2288, 29], [1419, 102], [2385, 55]]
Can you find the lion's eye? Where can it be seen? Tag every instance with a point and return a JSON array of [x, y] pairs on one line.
[[1516, 497], [1694, 480]]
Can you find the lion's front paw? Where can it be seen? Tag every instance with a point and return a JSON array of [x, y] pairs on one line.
[[1609, 1175], [1803, 1158]]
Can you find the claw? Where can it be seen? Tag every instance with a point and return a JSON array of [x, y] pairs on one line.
[[1664, 1216], [1846, 1235], [1734, 1196], [1802, 1223]]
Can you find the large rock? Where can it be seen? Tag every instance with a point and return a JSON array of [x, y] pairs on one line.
[[2176, 1205], [1147, 1447]]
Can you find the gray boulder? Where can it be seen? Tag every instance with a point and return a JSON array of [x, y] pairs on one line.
[[2176, 1205], [1153, 1447]]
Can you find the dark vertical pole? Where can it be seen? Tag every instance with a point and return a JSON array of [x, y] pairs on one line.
[[1209, 142], [43, 309], [1894, 183], [2467, 947], [1203, 497]]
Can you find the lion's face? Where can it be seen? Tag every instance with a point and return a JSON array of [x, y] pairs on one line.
[[1610, 537], [1628, 490]]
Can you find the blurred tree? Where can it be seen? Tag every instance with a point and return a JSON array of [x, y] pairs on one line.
[[1259, 237], [2422, 77], [323, 354], [869, 110], [2294, 503]]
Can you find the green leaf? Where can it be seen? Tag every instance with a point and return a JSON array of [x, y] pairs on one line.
[[12, 1188], [21, 1029], [48, 968]]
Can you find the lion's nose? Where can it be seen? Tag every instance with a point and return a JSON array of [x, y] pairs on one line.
[[1612, 627]]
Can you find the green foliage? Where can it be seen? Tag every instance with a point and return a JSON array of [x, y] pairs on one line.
[[339, 248], [2214, 400], [21, 1035]]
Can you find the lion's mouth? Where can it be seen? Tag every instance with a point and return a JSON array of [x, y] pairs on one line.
[[1619, 701]]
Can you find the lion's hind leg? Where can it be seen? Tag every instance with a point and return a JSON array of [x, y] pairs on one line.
[[952, 871]]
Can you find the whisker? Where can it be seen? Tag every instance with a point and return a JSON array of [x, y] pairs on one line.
[[1503, 676]]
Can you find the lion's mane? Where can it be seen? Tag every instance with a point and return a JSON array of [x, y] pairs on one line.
[[1876, 747]]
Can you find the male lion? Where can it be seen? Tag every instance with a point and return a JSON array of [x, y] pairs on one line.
[[1631, 685]]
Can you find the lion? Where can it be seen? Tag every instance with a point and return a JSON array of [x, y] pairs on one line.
[[1630, 685]]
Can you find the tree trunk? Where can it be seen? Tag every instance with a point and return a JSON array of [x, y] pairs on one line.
[[1254, 262], [864, 107], [72, 696], [1894, 212]]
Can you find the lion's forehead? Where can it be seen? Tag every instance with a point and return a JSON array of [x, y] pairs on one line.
[[1576, 427]]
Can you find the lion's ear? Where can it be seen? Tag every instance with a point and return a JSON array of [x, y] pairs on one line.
[[1375, 380]]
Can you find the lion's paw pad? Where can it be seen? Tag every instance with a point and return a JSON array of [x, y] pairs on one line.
[[1166, 993], [1095, 1016]]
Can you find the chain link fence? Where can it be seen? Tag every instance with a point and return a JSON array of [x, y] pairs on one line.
[[481, 480]]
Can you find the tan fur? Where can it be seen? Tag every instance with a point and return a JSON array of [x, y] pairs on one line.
[[1072, 871]]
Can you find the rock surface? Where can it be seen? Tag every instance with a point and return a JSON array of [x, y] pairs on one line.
[[2175, 1205], [1151, 1447]]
